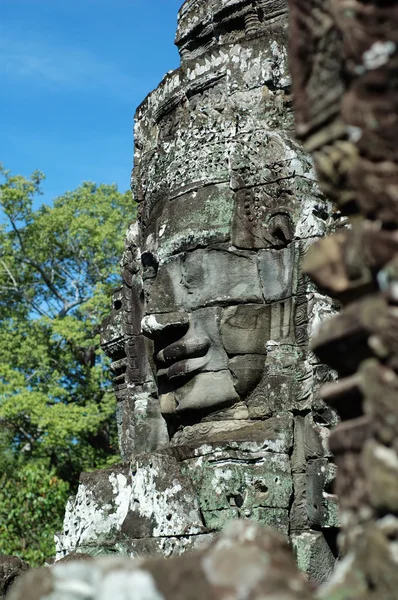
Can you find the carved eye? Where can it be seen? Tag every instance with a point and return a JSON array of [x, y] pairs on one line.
[[280, 228], [150, 265], [117, 304]]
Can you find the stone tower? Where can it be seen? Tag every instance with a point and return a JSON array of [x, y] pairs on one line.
[[218, 411]]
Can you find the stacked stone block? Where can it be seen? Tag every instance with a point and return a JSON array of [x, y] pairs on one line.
[[218, 408]]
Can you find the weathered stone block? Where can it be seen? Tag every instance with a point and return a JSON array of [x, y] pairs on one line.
[[260, 220], [316, 478], [195, 219], [162, 500], [215, 520], [245, 561], [229, 477], [96, 513], [150, 430], [278, 389], [277, 518], [167, 546], [205, 391], [245, 328], [299, 513], [202, 278], [313, 555], [152, 499], [125, 426], [246, 371], [298, 457], [381, 467], [277, 268], [322, 507], [205, 325], [274, 434], [315, 439]]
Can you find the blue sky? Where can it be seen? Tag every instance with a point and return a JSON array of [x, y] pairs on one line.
[[72, 73]]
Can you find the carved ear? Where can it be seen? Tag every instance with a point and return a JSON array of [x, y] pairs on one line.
[[280, 230]]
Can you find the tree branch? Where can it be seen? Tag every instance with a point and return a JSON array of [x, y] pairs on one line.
[[36, 265]]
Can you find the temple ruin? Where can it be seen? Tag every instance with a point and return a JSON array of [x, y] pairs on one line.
[[187, 440], [219, 414]]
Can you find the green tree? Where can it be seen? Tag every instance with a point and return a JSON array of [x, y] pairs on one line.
[[58, 266], [32, 500]]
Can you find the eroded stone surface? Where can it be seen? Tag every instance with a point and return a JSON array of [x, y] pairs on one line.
[[342, 56], [228, 206], [209, 335], [11, 567], [246, 561]]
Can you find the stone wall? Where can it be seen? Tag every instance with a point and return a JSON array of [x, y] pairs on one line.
[[218, 408]]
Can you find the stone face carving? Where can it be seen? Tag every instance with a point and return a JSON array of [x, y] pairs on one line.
[[209, 335], [227, 207]]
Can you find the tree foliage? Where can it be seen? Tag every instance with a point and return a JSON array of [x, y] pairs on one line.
[[58, 265], [32, 500]]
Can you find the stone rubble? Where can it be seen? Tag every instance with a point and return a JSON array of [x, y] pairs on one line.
[[343, 56], [246, 562]]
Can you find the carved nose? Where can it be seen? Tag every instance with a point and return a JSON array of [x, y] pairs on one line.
[[156, 325]]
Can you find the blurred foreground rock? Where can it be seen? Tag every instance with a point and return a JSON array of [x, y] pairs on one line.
[[246, 562], [11, 567], [344, 58]]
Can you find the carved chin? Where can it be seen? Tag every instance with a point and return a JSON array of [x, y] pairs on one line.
[[203, 392]]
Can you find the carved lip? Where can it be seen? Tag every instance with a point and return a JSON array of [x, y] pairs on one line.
[[183, 367], [181, 358]]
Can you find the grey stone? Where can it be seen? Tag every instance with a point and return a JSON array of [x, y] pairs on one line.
[[126, 426], [197, 218], [245, 561], [277, 390], [251, 483], [313, 555], [298, 456], [299, 512], [150, 431], [262, 220], [205, 391], [149, 500], [202, 278], [322, 508], [167, 546], [277, 270], [275, 433], [245, 328], [246, 371], [11, 567], [277, 518], [315, 439]]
